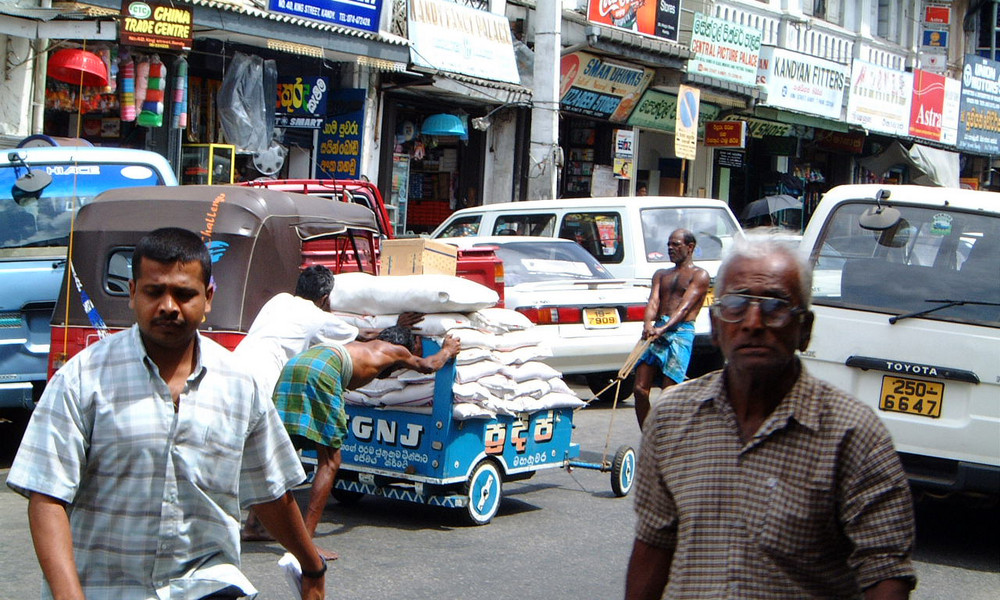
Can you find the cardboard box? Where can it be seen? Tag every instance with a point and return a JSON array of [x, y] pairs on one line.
[[418, 256]]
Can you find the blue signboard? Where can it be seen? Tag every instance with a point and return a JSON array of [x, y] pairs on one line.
[[979, 116], [340, 146], [935, 39], [359, 14], [301, 102]]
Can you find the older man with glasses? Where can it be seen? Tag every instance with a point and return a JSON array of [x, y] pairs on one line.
[[759, 480]]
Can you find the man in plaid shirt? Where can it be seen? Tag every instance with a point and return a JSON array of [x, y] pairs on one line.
[[761, 481]]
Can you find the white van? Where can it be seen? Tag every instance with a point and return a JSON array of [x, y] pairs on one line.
[[906, 293], [628, 235]]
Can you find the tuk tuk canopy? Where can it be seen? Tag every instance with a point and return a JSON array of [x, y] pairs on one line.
[[254, 235]]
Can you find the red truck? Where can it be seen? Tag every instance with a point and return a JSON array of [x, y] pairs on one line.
[[259, 238], [476, 264]]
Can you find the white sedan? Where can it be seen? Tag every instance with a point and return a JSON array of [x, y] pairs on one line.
[[591, 320]]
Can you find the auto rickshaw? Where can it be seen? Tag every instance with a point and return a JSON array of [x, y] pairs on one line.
[[259, 240]]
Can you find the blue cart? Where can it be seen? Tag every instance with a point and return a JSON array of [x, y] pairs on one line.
[[438, 460]]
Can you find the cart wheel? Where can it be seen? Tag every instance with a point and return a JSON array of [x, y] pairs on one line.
[[623, 471], [483, 489]]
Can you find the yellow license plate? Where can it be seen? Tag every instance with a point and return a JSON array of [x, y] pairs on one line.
[[911, 396], [601, 318], [709, 299]]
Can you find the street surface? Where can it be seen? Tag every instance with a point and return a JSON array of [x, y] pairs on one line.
[[558, 536]]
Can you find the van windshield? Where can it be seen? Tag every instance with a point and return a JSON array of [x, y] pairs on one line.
[[713, 229], [933, 258], [44, 221]]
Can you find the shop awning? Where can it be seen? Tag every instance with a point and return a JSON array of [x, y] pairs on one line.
[[243, 18], [930, 166], [797, 118], [64, 21], [645, 50]]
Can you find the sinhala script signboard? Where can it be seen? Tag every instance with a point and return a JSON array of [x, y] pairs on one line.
[[979, 118], [724, 50]]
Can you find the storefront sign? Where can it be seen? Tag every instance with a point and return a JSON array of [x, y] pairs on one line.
[[686, 135], [624, 152], [850, 142], [657, 110], [652, 17], [979, 118], [935, 39], [927, 105], [340, 145], [357, 14], [951, 111], [879, 98], [155, 26], [726, 134], [460, 39], [801, 82], [301, 102], [758, 128], [598, 87], [939, 15], [724, 50], [729, 158]]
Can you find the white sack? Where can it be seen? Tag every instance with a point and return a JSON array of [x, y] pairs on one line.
[[364, 293], [500, 320]]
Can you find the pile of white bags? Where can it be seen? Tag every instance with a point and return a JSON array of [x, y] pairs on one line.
[[499, 369]]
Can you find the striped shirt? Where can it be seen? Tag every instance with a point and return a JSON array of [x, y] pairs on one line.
[[154, 496], [816, 505]]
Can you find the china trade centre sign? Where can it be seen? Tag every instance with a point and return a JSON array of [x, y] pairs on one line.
[[155, 26]]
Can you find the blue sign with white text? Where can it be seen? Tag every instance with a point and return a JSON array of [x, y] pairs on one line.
[[359, 14]]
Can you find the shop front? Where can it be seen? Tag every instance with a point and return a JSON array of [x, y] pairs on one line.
[[226, 91], [452, 123]]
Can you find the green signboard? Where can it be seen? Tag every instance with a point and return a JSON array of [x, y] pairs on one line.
[[657, 110]]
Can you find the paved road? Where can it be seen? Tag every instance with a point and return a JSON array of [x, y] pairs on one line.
[[559, 536]]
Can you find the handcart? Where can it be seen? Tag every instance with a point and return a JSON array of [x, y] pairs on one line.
[[428, 456]]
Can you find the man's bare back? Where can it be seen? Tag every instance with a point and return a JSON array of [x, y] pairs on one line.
[[372, 358]]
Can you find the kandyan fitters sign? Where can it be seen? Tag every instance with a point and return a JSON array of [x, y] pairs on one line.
[[801, 82]]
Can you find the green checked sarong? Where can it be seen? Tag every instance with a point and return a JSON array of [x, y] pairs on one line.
[[309, 393]]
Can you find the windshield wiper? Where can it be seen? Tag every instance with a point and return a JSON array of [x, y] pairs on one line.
[[942, 304]]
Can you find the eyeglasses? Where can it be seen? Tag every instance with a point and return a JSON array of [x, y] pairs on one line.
[[774, 312]]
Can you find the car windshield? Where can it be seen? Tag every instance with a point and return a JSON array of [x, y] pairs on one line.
[[43, 221], [933, 258], [462, 227], [713, 229], [537, 261]]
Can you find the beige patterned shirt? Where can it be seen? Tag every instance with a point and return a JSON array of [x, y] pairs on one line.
[[816, 505]]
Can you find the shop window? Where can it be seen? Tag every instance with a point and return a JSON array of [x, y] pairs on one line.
[[600, 234], [536, 225]]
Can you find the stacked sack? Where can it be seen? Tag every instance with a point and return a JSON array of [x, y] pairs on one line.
[[499, 369]]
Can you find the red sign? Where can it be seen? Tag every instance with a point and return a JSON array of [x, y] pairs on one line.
[[726, 134], [927, 109], [850, 142], [939, 15]]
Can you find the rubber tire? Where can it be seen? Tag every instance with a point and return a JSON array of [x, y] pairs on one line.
[[484, 490], [598, 381], [623, 471]]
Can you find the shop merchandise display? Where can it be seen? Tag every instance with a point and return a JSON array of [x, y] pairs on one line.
[[151, 111], [127, 67], [179, 115]]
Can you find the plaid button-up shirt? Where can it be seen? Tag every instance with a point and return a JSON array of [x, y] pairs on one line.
[[154, 496], [816, 505]]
